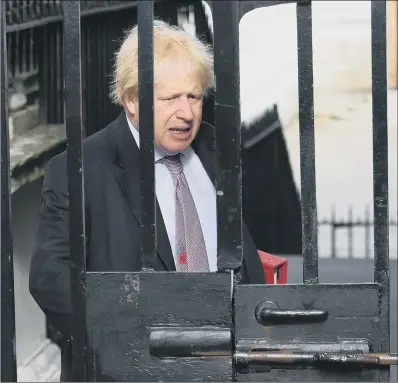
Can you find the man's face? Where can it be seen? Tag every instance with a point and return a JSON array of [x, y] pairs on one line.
[[178, 102]]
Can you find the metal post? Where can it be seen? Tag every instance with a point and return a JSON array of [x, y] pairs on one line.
[[368, 224], [307, 143], [74, 132], [350, 233], [380, 164], [8, 354], [146, 130], [228, 135], [333, 225]]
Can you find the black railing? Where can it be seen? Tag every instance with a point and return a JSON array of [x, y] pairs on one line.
[[22, 14], [25, 14], [23, 67], [349, 227], [35, 51]]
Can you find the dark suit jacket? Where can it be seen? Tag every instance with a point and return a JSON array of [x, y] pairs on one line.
[[112, 207]]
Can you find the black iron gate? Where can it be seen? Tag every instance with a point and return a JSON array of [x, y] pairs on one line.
[[215, 329]]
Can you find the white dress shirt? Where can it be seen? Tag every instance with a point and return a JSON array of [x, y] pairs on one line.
[[203, 194]]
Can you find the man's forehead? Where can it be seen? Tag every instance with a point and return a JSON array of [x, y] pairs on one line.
[[177, 72], [179, 83]]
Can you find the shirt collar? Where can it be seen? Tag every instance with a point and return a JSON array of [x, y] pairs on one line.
[[159, 151]]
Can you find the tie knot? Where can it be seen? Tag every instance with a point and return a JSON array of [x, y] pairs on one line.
[[173, 163]]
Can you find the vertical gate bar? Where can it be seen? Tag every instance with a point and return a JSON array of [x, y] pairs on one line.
[[146, 130], [368, 224], [12, 56], [52, 73], [100, 79], [380, 162], [307, 143], [42, 61], [18, 52], [8, 353], [350, 236], [333, 236], [24, 47], [103, 59], [83, 40], [228, 135], [91, 83], [58, 63], [56, 35], [74, 131]]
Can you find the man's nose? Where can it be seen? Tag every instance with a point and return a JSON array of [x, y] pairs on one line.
[[184, 110]]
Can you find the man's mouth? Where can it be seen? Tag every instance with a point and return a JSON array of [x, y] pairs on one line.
[[180, 130]]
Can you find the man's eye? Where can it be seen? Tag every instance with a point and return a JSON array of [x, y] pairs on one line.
[[194, 97]]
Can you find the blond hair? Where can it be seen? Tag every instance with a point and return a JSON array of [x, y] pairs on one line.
[[166, 39]]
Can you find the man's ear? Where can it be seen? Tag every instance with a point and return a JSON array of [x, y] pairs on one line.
[[132, 106]]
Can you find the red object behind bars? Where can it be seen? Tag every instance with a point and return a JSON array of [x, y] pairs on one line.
[[275, 268]]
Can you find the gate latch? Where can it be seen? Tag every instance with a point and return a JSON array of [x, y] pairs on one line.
[[217, 342], [299, 357], [347, 352]]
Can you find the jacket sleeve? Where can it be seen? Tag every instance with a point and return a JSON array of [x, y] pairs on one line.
[[49, 278]]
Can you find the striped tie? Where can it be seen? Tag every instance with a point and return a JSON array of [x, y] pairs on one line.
[[190, 244]]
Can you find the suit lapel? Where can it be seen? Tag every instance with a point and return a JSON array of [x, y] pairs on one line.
[[127, 172], [203, 147]]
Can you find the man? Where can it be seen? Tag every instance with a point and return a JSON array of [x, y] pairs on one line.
[[186, 227]]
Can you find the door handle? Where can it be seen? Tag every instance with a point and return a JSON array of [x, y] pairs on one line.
[[279, 316], [268, 313]]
